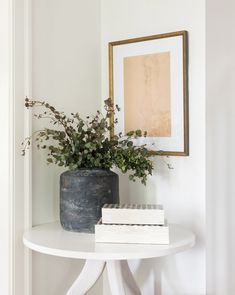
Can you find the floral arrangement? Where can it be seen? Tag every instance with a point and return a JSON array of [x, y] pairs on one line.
[[77, 143]]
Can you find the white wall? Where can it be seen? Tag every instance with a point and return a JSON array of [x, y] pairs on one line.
[[66, 72], [68, 40], [182, 190], [220, 65]]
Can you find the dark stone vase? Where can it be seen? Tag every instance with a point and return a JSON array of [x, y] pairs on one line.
[[82, 194]]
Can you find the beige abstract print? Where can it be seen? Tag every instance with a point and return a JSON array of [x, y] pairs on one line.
[[147, 101]]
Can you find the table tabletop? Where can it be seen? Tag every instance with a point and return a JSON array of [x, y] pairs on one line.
[[52, 239]]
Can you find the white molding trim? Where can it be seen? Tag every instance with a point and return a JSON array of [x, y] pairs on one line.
[[12, 220], [11, 34], [16, 196], [28, 132], [6, 149]]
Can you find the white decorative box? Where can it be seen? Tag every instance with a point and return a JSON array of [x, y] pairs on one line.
[[138, 234], [132, 214]]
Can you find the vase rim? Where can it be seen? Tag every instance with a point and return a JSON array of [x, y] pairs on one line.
[[89, 172]]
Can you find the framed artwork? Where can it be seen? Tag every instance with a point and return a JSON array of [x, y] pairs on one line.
[[148, 81]]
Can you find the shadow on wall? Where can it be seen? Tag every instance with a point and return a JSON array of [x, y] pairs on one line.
[[136, 192], [150, 274]]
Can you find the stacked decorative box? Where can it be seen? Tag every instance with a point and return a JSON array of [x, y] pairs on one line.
[[144, 224]]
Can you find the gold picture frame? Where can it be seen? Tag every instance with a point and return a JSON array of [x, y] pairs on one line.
[[158, 102]]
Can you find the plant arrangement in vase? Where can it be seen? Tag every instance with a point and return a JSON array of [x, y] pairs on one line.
[[86, 148]]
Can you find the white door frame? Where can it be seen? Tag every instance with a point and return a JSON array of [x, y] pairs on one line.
[[15, 123], [5, 150]]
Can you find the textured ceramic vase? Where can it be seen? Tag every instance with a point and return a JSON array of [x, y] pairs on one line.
[[82, 194]]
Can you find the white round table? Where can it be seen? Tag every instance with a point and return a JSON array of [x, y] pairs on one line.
[[51, 239]]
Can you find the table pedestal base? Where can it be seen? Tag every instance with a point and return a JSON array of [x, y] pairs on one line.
[[120, 278]]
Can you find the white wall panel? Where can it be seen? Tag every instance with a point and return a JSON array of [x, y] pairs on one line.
[[182, 190], [220, 157], [66, 72]]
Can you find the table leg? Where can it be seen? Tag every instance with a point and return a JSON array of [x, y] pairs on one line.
[[90, 273], [121, 279]]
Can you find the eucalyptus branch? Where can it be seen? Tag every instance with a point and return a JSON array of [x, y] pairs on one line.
[[85, 143], [27, 142]]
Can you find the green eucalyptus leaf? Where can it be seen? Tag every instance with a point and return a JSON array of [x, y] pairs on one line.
[[86, 143]]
